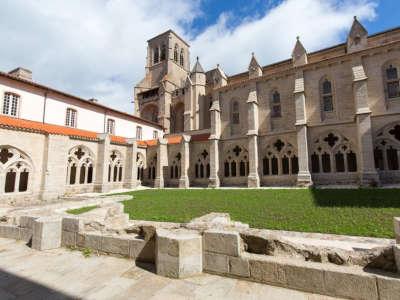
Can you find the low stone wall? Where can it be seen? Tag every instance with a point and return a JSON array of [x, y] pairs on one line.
[[224, 255], [215, 244]]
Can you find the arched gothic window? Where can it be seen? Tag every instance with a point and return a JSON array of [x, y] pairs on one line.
[[392, 82], [175, 167], [181, 58], [387, 148], [176, 49], [202, 165], [326, 96], [237, 162], [333, 153], [276, 105], [15, 170], [280, 159], [163, 54], [156, 57], [80, 166], [235, 113], [10, 104], [115, 167]]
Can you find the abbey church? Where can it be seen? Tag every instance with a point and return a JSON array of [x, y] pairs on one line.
[[330, 117], [327, 117]]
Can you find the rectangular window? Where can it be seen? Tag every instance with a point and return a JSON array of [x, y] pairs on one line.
[[155, 134], [70, 118], [138, 133], [10, 104], [110, 126]]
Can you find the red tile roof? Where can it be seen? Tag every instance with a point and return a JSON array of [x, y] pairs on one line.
[[200, 137], [44, 128], [174, 139]]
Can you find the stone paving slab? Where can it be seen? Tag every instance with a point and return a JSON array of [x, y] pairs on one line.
[[65, 274]]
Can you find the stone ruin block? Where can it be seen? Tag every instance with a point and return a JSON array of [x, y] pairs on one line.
[[142, 250], [115, 245], [216, 263], [222, 242], [46, 233], [10, 232], [239, 266], [178, 253], [72, 224], [89, 240], [27, 221]]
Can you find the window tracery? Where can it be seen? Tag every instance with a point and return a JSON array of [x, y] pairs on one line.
[[236, 162], [15, 170], [333, 153], [80, 166], [280, 159]]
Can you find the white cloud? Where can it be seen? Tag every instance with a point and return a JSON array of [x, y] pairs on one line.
[[97, 48]]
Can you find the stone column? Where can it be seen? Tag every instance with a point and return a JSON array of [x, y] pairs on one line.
[[253, 180], [101, 183], [185, 162], [54, 176], [162, 162], [131, 165], [304, 175], [215, 111], [164, 113], [187, 115], [365, 158]]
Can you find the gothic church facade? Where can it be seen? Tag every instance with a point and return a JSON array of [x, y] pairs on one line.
[[327, 117]]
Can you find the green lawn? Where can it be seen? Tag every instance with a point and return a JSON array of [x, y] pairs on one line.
[[366, 212]]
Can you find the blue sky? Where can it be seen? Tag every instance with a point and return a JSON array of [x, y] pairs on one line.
[[387, 13], [97, 48]]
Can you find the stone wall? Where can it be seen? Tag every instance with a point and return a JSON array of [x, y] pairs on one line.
[[217, 245]]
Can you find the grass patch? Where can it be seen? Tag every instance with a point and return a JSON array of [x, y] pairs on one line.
[[365, 212], [81, 210]]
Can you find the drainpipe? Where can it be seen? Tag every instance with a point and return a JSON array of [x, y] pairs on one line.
[[104, 122], [44, 106]]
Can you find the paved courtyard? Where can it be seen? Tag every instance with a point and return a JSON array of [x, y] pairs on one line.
[[65, 274]]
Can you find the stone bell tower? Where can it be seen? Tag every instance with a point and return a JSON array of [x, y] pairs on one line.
[[167, 66]]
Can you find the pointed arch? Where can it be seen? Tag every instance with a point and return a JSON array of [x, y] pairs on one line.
[[16, 169], [326, 94], [176, 49], [156, 56], [333, 152], [275, 104], [182, 58], [391, 79], [80, 165]]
